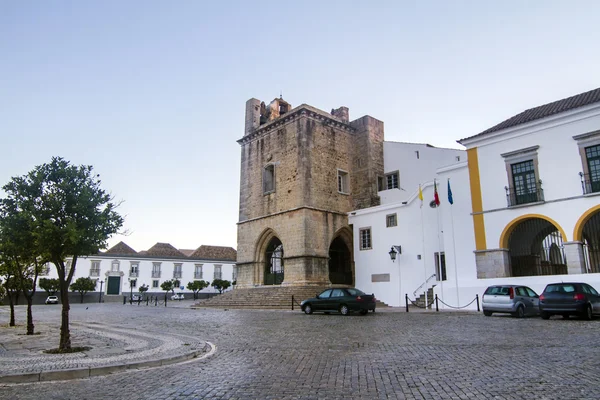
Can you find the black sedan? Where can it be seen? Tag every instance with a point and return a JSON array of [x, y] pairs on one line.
[[566, 299], [342, 300]]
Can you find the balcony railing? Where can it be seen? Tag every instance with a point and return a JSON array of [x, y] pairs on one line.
[[133, 274], [197, 275], [217, 275], [529, 195], [94, 272], [590, 183], [156, 274], [177, 275]]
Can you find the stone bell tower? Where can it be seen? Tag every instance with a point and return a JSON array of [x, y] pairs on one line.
[[302, 171]]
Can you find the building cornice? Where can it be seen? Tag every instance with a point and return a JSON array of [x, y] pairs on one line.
[[567, 117], [303, 110]]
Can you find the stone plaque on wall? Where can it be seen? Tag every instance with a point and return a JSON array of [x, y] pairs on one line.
[[380, 277]]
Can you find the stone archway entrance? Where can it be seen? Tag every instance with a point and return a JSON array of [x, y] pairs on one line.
[[591, 243], [340, 263], [536, 248], [274, 272]]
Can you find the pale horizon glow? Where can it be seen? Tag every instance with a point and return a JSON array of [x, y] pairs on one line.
[[152, 94]]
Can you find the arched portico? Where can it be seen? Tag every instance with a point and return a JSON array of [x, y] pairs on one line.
[[535, 245]]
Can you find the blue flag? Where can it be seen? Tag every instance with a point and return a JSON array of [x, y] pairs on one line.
[[450, 199]]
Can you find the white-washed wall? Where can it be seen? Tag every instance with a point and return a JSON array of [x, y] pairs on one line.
[[84, 264]]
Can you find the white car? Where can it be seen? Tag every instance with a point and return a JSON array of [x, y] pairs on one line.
[[52, 300], [178, 296]]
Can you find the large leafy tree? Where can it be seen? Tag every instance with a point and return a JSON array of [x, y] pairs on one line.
[[71, 216], [18, 250], [50, 285], [83, 285], [197, 286]]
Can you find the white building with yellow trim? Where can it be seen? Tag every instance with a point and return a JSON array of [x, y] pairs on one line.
[[526, 210]]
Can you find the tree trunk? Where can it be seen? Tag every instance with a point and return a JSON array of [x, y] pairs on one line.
[[65, 335], [30, 326], [82, 294], [12, 309]]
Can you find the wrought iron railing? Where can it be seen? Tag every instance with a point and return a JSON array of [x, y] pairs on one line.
[[176, 275], [590, 183], [133, 274], [94, 272], [515, 197], [198, 275], [423, 284], [156, 274]]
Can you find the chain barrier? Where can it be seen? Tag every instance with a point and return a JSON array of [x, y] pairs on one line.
[[294, 302], [437, 299]]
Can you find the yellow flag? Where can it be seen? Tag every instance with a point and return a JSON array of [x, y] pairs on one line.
[[420, 195]]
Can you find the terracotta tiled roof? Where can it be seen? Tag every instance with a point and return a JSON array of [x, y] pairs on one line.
[[121, 249], [570, 103], [164, 250], [187, 252], [215, 253]]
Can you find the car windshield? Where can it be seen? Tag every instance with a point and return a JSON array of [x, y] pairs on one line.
[[355, 292]]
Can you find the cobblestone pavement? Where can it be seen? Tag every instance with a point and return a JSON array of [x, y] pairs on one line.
[[386, 355]]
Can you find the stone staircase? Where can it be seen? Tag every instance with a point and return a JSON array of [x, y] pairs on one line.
[[420, 301], [265, 297]]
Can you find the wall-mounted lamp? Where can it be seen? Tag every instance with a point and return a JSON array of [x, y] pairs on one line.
[[394, 251]]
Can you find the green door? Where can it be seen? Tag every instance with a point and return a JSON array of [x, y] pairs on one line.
[[113, 285]]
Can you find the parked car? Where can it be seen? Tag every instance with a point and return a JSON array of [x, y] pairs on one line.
[[516, 300], [52, 300], [342, 300], [137, 297], [572, 298], [178, 296]]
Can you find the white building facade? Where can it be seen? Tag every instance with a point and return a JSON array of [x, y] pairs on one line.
[[525, 210], [120, 271]]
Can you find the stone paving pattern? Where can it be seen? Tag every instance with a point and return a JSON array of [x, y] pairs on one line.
[[387, 355]]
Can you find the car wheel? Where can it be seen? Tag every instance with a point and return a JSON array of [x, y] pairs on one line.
[[308, 309], [587, 313], [545, 315], [364, 312], [520, 312], [487, 313], [344, 309]]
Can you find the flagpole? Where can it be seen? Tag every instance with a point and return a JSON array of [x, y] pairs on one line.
[[424, 264], [440, 253], [423, 244], [453, 243]]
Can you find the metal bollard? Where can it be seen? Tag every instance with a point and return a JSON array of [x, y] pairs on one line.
[[406, 301], [292, 302], [124, 299], [437, 309], [146, 301], [165, 300], [156, 301], [477, 298]]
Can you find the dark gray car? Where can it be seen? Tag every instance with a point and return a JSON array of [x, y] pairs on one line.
[[516, 300]]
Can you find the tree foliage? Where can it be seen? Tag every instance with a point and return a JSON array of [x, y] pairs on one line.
[[197, 286], [70, 216], [220, 284], [50, 285], [83, 285], [143, 289], [169, 286]]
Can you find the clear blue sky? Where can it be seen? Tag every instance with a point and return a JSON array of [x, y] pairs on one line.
[[152, 93]]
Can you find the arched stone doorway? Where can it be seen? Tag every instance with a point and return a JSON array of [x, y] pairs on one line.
[[536, 248], [591, 243], [274, 271], [340, 263]]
